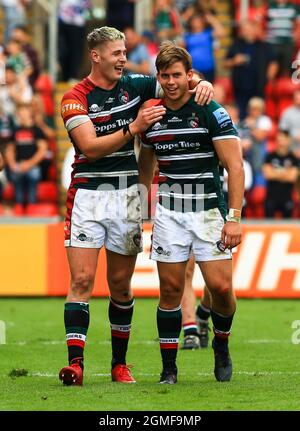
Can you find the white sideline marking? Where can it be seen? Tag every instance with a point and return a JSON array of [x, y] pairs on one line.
[[55, 342], [247, 373], [257, 341], [146, 342]]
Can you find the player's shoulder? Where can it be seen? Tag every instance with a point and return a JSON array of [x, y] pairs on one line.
[[137, 79], [79, 91], [217, 111]]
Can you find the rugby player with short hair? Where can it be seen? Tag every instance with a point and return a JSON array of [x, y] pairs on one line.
[[101, 115], [188, 143]]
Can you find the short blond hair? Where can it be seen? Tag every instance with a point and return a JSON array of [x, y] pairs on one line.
[[171, 53], [102, 35], [257, 101]]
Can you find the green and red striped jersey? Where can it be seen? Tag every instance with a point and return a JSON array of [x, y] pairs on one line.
[[109, 111], [189, 171]]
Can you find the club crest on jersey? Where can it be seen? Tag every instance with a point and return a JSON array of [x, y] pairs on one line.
[[193, 121], [123, 96]]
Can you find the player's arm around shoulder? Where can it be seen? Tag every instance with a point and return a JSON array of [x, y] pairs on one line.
[[83, 134], [203, 91], [146, 164]]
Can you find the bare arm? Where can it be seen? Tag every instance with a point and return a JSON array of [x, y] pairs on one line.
[[146, 166], [93, 147], [218, 28], [230, 155], [10, 155]]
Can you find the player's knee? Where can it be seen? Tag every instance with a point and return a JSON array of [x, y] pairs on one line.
[[82, 283], [221, 287], [119, 283], [170, 290]]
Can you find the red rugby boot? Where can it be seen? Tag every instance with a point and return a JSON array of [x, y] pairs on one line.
[[121, 373], [72, 375]]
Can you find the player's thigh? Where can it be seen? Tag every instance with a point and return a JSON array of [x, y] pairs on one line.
[[217, 274]]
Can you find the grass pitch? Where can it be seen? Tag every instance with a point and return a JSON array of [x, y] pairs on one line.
[[265, 360]]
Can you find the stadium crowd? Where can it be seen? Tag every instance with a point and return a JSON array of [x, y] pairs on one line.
[[256, 82]]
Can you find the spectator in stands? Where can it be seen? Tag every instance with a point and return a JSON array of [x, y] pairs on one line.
[[282, 17], [15, 91], [203, 29], [17, 59], [1, 162], [257, 126], [281, 172], [182, 5], [20, 34], [24, 154], [138, 60], [252, 63], [148, 39], [167, 24], [290, 121], [197, 7], [72, 16], [6, 128], [14, 14]]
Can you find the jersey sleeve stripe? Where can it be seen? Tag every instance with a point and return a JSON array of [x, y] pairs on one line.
[[218, 138], [76, 121]]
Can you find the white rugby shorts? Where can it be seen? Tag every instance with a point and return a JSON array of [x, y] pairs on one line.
[[110, 218], [177, 235]]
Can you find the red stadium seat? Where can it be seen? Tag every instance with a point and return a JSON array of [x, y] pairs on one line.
[[226, 83], [52, 175], [256, 202], [41, 210], [47, 192], [285, 88], [8, 192], [44, 86], [18, 210]]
